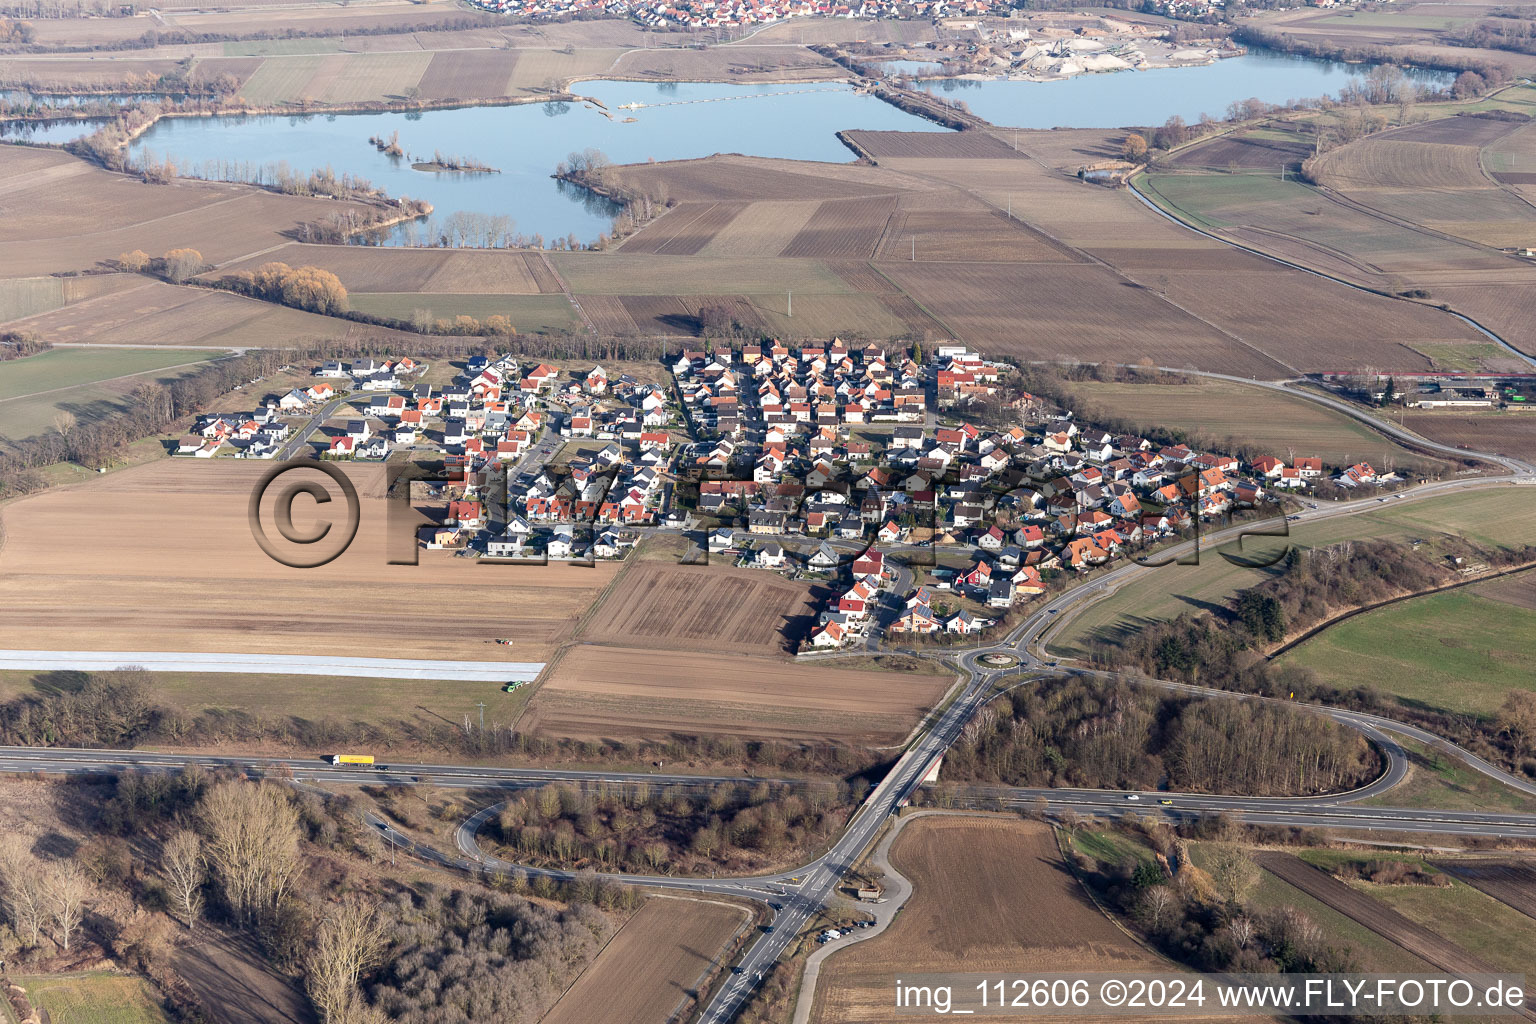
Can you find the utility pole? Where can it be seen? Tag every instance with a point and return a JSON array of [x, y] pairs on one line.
[[914, 248], [481, 706], [1010, 206], [789, 304]]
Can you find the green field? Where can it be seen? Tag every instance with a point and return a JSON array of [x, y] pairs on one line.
[[618, 274], [94, 998], [1247, 416], [1496, 516], [1441, 782], [1476, 922], [86, 381], [530, 314], [1458, 651]]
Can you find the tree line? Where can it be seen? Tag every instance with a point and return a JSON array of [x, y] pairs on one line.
[[1078, 733]]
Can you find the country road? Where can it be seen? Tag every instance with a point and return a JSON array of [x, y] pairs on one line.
[[795, 896]]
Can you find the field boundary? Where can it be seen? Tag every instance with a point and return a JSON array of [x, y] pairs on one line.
[[1387, 602]]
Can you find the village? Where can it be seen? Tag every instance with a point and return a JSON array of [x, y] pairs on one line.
[[928, 498]]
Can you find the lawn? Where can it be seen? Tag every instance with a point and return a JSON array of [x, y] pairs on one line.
[[1456, 651], [1496, 516], [530, 314], [94, 998], [1249, 416], [1111, 847], [1442, 782], [83, 381], [1221, 200]]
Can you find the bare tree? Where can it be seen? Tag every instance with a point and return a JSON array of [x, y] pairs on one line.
[[63, 422], [185, 870], [21, 891], [67, 892], [1233, 872], [348, 944], [1156, 903], [252, 834]]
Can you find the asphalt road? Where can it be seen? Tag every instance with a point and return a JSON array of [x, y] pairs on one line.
[[795, 896]]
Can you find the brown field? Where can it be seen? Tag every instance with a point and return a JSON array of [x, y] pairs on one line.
[[379, 269], [595, 691], [469, 74], [1246, 151], [840, 30], [1510, 433], [866, 279], [1460, 130], [684, 229], [713, 607], [944, 145], [1513, 884], [1519, 590], [1504, 307], [843, 228], [1080, 312], [761, 229], [607, 312], [161, 557], [989, 894], [980, 235], [716, 178], [653, 967], [65, 214], [156, 313], [66, 73], [1375, 915]]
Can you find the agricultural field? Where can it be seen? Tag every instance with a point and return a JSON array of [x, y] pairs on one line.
[[1080, 312], [970, 876], [1497, 516], [755, 179], [843, 229], [717, 608], [929, 145], [623, 274], [1512, 883], [63, 214], [595, 691], [1395, 912], [469, 74], [297, 698], [653, 968], [28, 296], [1229, 415], [1258, 149], [973, 235], [84, 383], [761, 229], [684, 229], [177, 570], [530, 314], [1458, 651], [155, 313], [93, 997], [1509, 433], [380, 269], [362, 78], [1478, 923]]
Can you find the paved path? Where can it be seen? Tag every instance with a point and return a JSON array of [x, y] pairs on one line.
[[274, 664]]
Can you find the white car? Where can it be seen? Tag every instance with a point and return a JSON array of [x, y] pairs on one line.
[[1132, 796]]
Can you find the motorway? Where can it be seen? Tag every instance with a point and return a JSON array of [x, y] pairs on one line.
[[795, 896]]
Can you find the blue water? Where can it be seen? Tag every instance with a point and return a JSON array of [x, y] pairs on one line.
[[1125, 98], [910, 67], [56, 132], [526, 142]]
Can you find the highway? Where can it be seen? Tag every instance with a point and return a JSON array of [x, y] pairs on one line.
[[795, 896]]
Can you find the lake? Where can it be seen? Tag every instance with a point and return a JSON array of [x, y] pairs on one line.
[[526, 142], [679, 121], [1116, 99]]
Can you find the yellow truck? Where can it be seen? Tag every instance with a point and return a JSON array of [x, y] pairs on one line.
[[359, 759]]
